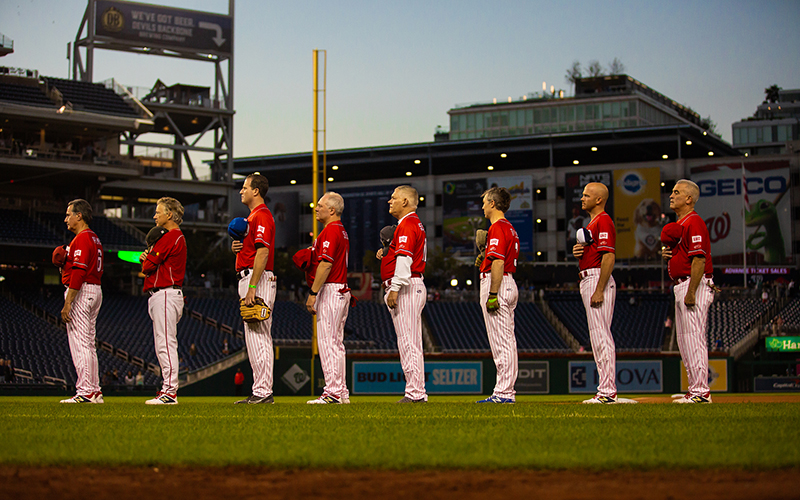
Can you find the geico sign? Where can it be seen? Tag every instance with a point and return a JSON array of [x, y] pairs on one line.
[[775, 184]]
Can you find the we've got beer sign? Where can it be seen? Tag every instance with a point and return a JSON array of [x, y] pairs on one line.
[[783, 344]]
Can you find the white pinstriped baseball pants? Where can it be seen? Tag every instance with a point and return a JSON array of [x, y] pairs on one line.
[[599, 321], [332, 309], [81, 332], [690, 328], [258, 336], [166, 309], [500, 328], [407, 320]]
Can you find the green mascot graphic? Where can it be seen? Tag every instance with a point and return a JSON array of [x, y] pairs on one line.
[[765, 214]]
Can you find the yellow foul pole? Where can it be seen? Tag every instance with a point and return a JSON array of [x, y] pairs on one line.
[[315, 197]]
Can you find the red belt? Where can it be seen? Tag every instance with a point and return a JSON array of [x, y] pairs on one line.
[[585, 272], [388, 283], [684, 278]]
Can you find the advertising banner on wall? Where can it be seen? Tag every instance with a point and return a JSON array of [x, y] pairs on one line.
[[765, 204], [533, 377], [637, 213], [519, 213], [441, 377], [462, 214], [573, 190], [632, 376], [153, 26], [717, 376]]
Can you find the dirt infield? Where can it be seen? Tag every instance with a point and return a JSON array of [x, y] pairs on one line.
[[123, 483], [739, 398]]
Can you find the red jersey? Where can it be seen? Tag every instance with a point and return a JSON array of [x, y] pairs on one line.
[[604, 236], [502, 243], [84, 261], [165, 265], [332, 245], [694, 243], [260, 233], [409, 239]]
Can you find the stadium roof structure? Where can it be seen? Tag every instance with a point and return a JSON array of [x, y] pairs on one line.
[[596, 147]]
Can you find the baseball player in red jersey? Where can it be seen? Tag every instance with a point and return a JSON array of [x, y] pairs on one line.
[[692, 272], [81, 274], [254, 264], [595, 252], [164, 266], [329, 297], [402, 267], [499, 293]]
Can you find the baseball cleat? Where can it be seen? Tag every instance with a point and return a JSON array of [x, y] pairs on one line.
[[689, 399], [327, 399], [162, 398], [95, 398], [496, 399], [407, 399], [598, 399]]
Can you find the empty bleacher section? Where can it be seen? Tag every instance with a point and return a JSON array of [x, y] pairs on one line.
[[729, 321], [35, 345], [93, 97], [791, 316], [459, 327], [369, 327], [636, 327], [17, 227], [111, 235], [29, 95]]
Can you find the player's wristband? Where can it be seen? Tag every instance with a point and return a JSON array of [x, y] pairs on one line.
[[492, 294], [312, 293], [252, 286]]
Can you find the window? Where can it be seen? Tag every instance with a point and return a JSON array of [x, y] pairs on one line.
[[553, 115], [462, 122], [751, 135], [512, 119], [767, 133], [579, 112], [504, 119], [520, 118], [454, 123], [529, 117], [615, 109], [606, 110], [471, 122], [537, 116], [784, 133], [632, 108]]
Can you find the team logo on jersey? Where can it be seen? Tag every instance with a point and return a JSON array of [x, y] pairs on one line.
[[494, 241], [77, 254], [326, 244], [697, 239], [403, 239], [260, 229], [603, 236]]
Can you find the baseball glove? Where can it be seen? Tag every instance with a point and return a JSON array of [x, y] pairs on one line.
[[480, 241], [259, 311], [154, 235]]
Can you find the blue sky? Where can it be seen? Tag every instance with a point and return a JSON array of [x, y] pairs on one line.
[[395, 68]]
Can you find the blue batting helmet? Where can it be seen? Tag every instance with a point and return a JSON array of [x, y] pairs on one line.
[[238, 228]]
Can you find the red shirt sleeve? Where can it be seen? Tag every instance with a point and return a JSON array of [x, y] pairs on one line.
[[696, 237], [495, 244], [606, 235], [406, 240], [265, 230]]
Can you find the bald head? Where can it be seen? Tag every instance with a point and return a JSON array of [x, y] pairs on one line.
[[598, 190]]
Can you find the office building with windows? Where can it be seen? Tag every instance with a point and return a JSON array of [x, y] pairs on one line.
[[774, 124], [600, 103]]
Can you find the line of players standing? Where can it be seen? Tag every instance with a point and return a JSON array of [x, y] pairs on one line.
[[686, 246]]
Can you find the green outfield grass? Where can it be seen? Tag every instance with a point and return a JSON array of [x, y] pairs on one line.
[[548, 432]]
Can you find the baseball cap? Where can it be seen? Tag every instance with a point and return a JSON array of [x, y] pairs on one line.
[[671, 234], [237, 229], [584, 236]]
